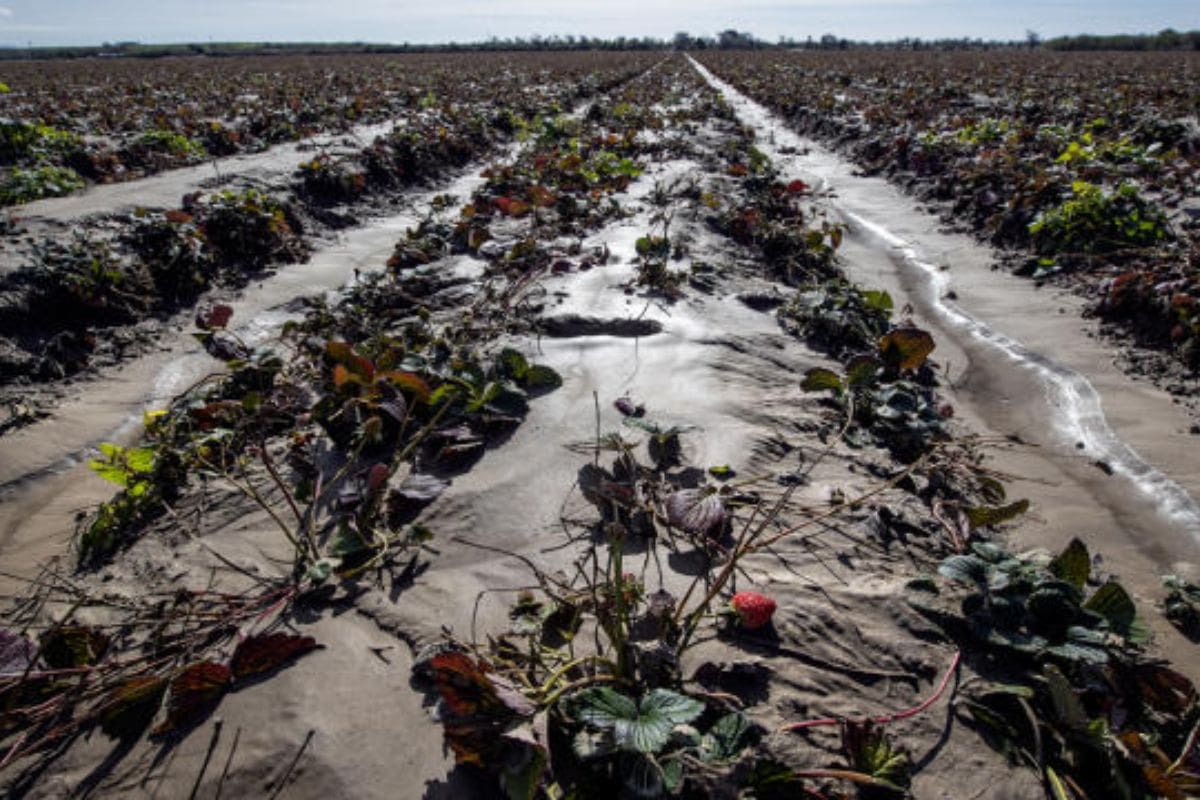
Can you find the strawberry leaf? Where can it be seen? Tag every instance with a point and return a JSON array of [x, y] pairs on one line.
[[194, 693], [130, 707], [263, 653]]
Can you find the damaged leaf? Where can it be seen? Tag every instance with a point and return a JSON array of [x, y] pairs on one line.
[[989, 516], [906, 348], [266, 652], [700, 512], [194, 693], [130, 707]]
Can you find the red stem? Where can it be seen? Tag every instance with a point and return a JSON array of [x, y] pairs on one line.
[[884, 720]]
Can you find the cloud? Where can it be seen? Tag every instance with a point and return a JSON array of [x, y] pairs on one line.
[[5, 12]]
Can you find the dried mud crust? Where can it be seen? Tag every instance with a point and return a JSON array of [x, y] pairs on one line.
[[660, 461]]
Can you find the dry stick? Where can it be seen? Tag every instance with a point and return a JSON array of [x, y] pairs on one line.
[[884, 720], [237, 735], [252, 494], [212, 746], [287, 495], [14, 750], [484, 593], [283, 781], [1188, 746], [596, 401]]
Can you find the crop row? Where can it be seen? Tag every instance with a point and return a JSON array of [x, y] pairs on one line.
[[63, 124], [1080, 166], [117, 271]]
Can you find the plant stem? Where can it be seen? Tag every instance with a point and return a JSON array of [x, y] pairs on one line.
[[888, 718]]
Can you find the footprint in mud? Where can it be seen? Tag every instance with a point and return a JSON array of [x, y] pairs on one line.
[[568, 326]]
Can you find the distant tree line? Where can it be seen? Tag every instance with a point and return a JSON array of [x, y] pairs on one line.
[[725, 40], [1163, 40]]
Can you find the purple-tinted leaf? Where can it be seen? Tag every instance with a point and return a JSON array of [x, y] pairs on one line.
[[698, 511], [422, 488], [376, 477], [628, 408], [16, 653]]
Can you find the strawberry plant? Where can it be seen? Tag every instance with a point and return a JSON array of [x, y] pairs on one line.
[[1093, 220]]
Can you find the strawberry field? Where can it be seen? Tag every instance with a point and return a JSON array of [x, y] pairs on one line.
[[549, 426]]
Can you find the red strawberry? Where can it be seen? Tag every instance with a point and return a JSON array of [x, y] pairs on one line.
[[754, 610]]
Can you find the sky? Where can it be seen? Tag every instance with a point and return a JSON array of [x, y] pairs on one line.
[[67, 22]]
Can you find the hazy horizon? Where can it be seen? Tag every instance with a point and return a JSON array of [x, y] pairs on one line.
[[79, 22]]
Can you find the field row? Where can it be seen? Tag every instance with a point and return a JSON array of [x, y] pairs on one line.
[[1083, 168], [69, 123]]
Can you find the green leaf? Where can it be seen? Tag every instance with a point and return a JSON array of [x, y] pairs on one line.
[[513, 364], [672, 773], [509, 400], [660, 711], [862, 371], [140, 459], [522, 774], [322, 570], [1112, 602], [1072, 565], [603, 707], [872, 753], [965, 569], [1067, 706], [987, 516], [542, 377], [877, 300], [818, 379], [348, 542], [644, 727], [727, 738]]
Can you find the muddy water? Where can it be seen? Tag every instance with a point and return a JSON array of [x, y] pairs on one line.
[[1103, 457]]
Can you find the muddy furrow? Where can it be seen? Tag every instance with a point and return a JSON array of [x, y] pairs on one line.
[[1101, 457], [164, 189], [1080, 412], [44, 482]]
